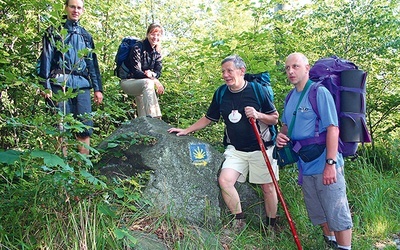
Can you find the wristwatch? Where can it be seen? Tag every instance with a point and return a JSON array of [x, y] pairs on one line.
[[330, 161]]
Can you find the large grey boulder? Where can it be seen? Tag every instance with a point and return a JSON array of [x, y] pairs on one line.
[[184, 169], [183, 181]]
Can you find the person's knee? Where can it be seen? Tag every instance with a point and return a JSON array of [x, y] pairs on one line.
[[226, 180], [222, 180], [149, 84], [268, 188]]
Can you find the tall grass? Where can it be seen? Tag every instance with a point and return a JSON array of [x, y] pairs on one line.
[[39, 215], [375, 197], [36, 213]]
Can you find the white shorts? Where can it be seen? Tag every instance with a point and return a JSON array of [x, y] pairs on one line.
[[250, 162]]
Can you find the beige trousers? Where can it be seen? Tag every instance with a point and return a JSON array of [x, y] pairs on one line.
[[145, 96]]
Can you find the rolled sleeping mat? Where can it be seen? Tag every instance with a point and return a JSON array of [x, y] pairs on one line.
[[352, 129], [353, 88], [352, 106]]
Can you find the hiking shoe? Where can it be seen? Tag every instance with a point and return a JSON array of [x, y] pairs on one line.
[[239, 225], [330, 243], [269, 231], [234, 227], [277, 228]]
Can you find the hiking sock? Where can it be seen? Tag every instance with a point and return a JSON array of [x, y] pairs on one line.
[[270, 221], [344, 247], [330, 237], [240, 216]]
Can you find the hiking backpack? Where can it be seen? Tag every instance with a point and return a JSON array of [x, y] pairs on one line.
[[124, 48], [264, 80], [347, 85], [261, 84]]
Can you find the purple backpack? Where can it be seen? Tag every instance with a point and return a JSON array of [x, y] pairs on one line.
[[347, 84]]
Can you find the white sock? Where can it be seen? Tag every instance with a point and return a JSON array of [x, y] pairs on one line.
[[331, 237], [344, 247]]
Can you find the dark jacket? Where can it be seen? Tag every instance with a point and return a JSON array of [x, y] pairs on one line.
[[79, 71], [143, 57]]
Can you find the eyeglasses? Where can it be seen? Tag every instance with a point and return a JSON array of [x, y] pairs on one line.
[[75, 7], [155, 34]]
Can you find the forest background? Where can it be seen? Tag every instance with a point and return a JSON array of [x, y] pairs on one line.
[[40, 187]]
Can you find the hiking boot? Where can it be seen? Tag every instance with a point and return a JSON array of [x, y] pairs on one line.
[[239, 225], [330, 243], [234, 227], [269, 231], [276, 228]]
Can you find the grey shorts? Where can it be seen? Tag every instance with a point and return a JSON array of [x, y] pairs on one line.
[[252, 163], [327, 203]]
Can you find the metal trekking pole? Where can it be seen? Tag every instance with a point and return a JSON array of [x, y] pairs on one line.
[[278, 191]]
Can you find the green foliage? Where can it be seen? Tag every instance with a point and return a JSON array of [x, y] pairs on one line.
[[45, 200], [53, 201], [385, 156]]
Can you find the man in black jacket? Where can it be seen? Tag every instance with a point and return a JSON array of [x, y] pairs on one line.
[[63, 70]]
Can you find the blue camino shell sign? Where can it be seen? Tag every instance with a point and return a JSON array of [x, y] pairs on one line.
[[199, 154]]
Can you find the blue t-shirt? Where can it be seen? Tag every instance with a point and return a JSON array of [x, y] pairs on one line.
[[239, 134], [304, 125]]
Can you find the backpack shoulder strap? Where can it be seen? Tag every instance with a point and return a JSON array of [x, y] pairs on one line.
[[139, 43], [220, 93], [261, 95], [88, 38], [259, 92], [288, 96], [312, 97]]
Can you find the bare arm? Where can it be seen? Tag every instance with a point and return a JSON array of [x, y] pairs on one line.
[[270, 119], [201, 123], [332, 144]]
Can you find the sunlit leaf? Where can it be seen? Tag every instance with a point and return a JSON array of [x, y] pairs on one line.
[[49, 159], [9, 156]]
